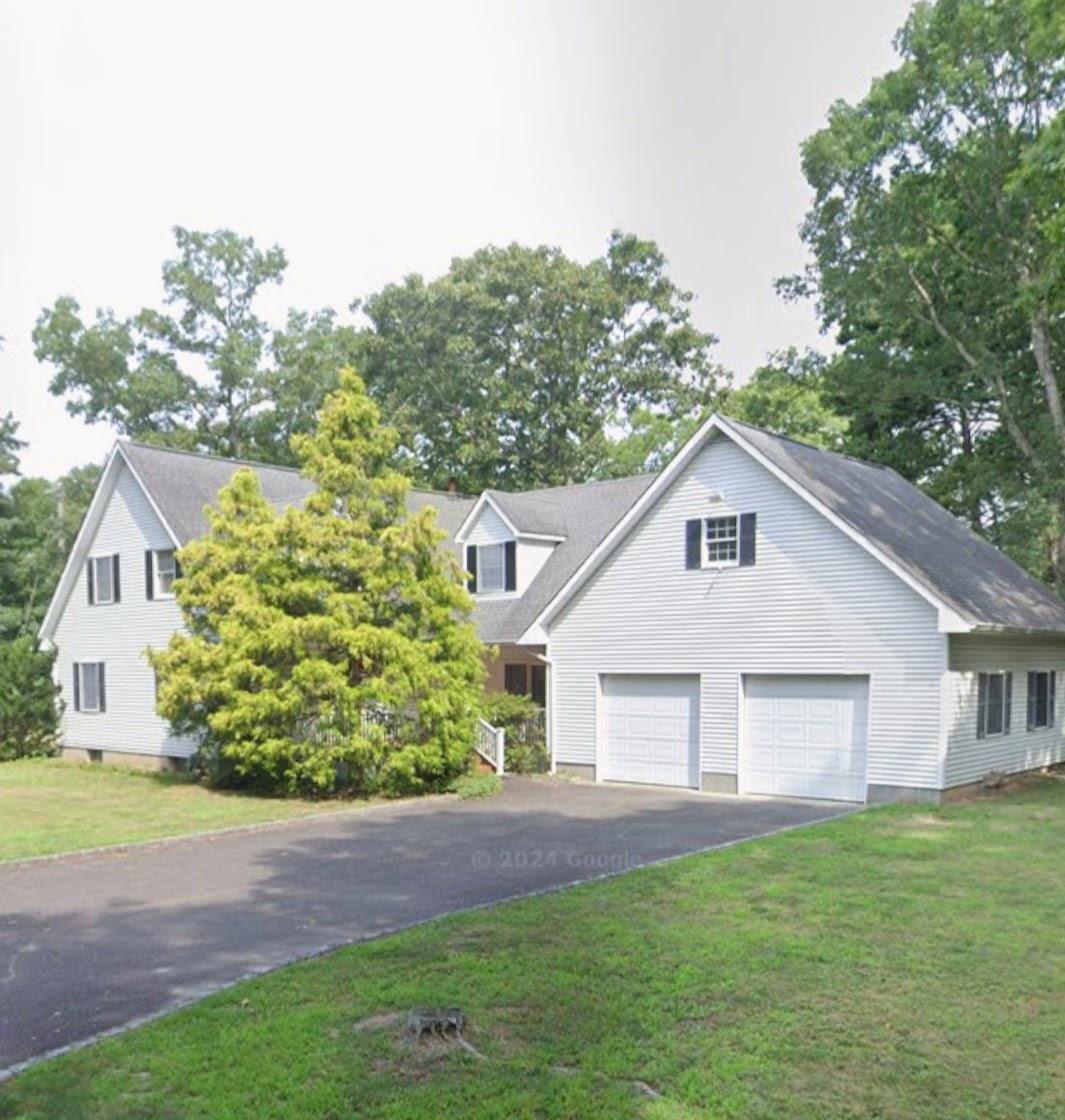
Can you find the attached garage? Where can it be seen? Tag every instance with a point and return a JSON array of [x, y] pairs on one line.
[[805, 736], [650, 729]]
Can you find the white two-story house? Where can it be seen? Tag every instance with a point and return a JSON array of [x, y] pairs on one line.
[[761, 617]]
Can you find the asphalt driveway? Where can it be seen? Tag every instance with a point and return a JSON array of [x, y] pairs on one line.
[[95, 942]]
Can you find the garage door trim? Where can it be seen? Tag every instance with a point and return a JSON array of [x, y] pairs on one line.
[[695, 764], [868, 675]]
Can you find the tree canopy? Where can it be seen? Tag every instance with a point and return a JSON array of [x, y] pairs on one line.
[[211, 375], [328, 647], [10, 445], [521, 367], [790, 395], [938, 259]]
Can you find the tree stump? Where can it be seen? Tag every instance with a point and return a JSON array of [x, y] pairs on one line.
[[435, 1022]]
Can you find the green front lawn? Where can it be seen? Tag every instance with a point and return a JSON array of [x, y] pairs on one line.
[[49, 806], [900, 963]]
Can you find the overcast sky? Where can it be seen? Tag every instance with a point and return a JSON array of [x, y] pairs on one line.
[[371, 140]]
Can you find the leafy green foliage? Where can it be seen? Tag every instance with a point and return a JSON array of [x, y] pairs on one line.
[[520, 367], [525, 746], [212, 376], [789, 395], [473, 787], [28, 700], [10, 445], [938, 257], [38, 523], [304, 627]]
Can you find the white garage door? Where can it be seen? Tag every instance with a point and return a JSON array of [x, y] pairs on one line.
[[806, 736], [651, 729]]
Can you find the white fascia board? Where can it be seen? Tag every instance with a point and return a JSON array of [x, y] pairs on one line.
[[947, 615], [620, 530], [79, 551], [90, 523], [151, 501], [471, 517]]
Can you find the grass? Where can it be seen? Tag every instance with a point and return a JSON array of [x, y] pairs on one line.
[[49, 806], [902, 963]]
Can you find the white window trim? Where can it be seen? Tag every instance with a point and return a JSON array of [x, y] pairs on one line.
[[1007, 701], [94, 560], [704, 546], [82, 666], [495, 592], [1050, 675], [158, 593]]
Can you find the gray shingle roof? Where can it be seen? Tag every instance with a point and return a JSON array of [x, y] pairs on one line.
[[183, 483], [983, 585], [583, 514]]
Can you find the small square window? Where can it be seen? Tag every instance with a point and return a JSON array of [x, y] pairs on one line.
[[165, 573], [722, 540], [515, 679]]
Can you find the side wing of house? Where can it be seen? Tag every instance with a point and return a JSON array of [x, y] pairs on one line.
[[102, 631], [1005, 704], [792, 662]]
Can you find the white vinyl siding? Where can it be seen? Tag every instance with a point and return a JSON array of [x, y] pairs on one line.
[[970, 758], [814, 602], [119, 635]]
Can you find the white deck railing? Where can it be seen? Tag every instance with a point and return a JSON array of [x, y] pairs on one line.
[[489, 742]]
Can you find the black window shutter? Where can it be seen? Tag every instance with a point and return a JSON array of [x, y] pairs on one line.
[[90, 582], [116, 568], [510, 566], [471, 565], [177, 568], [1032, 699], [77, 687], [1051, 699], [100, 684], [748, 523], [981, 706], [149, 575], [1007, 701], [693, 543]]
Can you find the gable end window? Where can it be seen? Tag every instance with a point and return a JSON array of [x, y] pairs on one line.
[[161, 568], [994, 703], [90, 693], [720, 542], [102, 579], [1042, 687]]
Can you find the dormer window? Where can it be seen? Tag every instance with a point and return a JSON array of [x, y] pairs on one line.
[[492, 567]]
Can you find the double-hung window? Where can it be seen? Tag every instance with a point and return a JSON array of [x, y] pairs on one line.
[[102, 579], [165, 573], [1042, 685], [90, 694], [722, 540], [491, 567], [994, 702]]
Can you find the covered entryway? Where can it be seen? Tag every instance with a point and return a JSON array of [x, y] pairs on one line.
[[651, 729], [805, 736]]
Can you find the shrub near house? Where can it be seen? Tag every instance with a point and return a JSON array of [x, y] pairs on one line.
[[301, 623]]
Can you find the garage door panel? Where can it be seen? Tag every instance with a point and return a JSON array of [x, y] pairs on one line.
[[651, 729], [806, 736]]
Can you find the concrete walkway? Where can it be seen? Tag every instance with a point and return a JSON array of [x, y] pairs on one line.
[[96, 942]]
